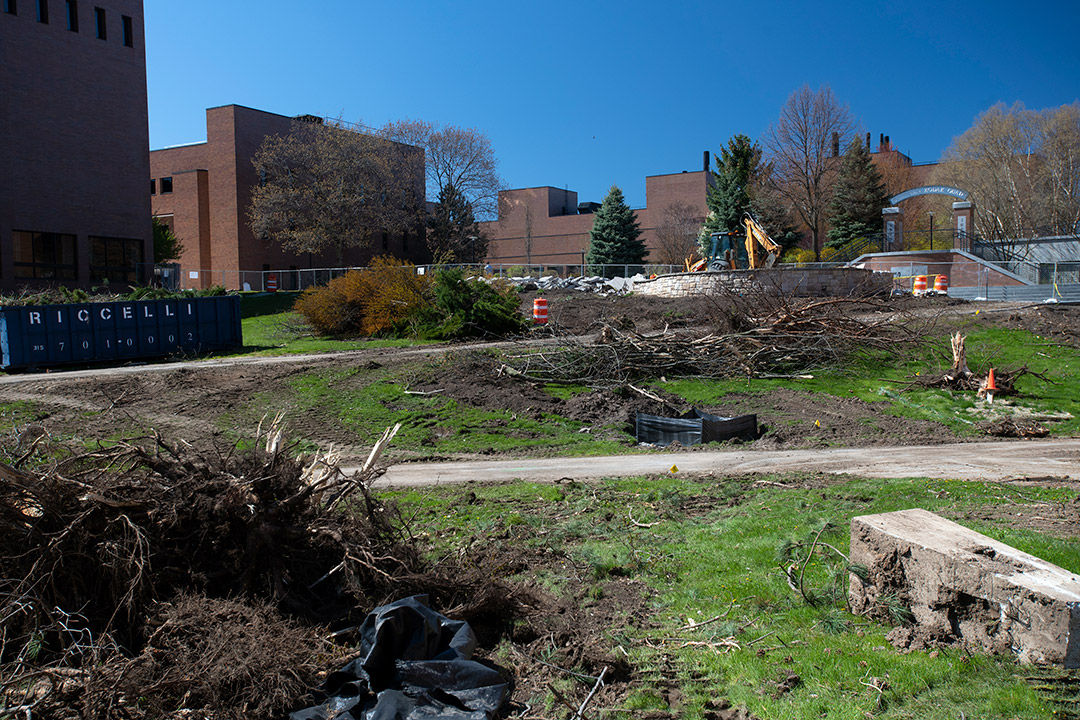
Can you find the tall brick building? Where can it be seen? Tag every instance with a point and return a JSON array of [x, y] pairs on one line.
[[203, 191], [74, 149], [545, 225]]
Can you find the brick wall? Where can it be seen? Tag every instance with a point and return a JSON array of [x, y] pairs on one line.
[[962, 271], [560, 236], [73, 123], [212, 186]]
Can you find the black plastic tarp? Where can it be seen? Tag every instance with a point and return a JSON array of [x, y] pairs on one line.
[[414, 664], [693, 428]]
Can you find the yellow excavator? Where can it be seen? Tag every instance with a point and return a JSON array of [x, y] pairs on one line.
[[724, 254]]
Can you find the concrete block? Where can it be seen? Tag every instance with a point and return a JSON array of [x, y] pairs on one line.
[[964, 587]]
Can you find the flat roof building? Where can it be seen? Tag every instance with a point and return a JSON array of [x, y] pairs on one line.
[[203, 191], [75, 150], [547, 225]]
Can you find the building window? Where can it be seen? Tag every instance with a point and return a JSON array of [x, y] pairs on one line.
[[115, 259], [10, 8], [166, 185], [44, 255], [73, 15], [129, 36], [99, 19], [153, 187], [43, 11]]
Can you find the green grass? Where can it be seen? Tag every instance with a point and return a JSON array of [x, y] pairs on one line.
[[366, 401], [884, 377], [284, 333], [435, 426], [16, 414], [255, 304], [721, 558]]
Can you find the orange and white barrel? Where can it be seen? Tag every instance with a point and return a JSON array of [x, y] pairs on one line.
[[919, 286], [271, 282], [540, 311], [941, 284]]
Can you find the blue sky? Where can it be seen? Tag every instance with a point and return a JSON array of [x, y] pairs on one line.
[[584, 95]]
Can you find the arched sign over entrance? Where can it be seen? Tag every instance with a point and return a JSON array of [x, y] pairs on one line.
[[930, 190], [963, 214]]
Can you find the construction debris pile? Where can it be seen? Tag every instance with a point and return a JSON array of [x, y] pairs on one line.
[[593, 284], [755, 337], [143, 577]]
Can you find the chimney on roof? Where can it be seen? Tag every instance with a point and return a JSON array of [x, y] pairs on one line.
[[835, 144], [881, 142], [867, 142], [888, 143], [705, 163]]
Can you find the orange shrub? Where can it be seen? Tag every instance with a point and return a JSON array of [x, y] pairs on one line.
[[374, 301]]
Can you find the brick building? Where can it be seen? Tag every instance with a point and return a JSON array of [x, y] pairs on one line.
[[547, 226], [74, 155], [203, 191]]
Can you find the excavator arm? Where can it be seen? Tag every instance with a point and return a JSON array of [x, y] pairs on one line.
[[757, 237]]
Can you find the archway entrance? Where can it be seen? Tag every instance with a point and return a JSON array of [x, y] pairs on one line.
[[963, 215]]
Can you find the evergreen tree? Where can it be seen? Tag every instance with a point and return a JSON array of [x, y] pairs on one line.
[[615, 238], [453, 233], [730, 194], [858, 197]]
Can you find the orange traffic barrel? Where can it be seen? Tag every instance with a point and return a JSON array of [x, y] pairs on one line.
[[941, 284], [919, 288], [271, 282], [540, 311]]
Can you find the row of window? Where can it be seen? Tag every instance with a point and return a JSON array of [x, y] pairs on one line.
[[166, 186], [72, 7], [54, 256]]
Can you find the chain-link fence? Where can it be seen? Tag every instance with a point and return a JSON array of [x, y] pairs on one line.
[[301, 279]]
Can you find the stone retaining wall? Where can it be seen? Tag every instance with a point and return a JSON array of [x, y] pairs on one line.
[[804, 282]]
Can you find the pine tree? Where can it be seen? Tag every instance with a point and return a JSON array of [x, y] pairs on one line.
[[858, 197], [615, 238], [454, 235], [729, 196]]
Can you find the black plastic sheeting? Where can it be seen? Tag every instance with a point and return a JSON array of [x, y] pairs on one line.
[[414, 663], [693, 428]]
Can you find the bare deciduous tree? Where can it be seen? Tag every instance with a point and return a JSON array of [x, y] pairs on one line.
[[461, 157], [1022, 168], [676, 234], [800, 147], [326, 186]]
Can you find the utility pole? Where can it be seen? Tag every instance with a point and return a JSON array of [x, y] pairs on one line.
[[931, 229]]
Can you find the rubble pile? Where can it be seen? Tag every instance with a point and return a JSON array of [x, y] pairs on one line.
[[592, 284]]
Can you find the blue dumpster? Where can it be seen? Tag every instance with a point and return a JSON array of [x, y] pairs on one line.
[[45, 335]]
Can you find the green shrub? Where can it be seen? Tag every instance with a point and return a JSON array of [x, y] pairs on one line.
[[470, 308], [391, 299]]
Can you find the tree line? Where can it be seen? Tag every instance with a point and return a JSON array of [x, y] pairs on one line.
[[810, 180]]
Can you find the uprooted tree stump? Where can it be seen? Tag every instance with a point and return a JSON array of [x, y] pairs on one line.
[[133, 575], [960, 377]]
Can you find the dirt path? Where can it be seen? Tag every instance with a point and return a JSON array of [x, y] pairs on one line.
[[996, 461]]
